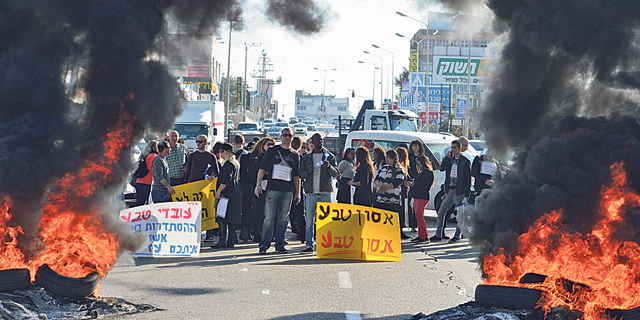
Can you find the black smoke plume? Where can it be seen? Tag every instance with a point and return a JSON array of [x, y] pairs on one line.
[[304, 16], [43, 134], [564, 94]]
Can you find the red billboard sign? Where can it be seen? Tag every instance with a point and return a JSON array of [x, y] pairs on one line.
[[423, 117], [199, 72]]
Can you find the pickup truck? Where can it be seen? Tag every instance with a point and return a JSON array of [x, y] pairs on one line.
[[247, 129]]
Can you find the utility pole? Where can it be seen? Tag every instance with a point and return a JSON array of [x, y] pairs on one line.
[[244, 84]]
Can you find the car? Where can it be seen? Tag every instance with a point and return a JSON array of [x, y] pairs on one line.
[[230, 125], [311, 126], [300, 128], [293, 120], [247, 129], [274, 132], [346, 124], [479, 145]]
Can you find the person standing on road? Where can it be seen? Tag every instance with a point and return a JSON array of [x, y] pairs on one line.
[[318, 170], [247, 181], [296, 217], [420, 187], [228, 186], [363, 178], [387, 184], [161, 190], [282, 163], [346, 173], [378, 159], [201, 163], [177, 159], [143, 185], [258, 213], [403, 161], [482, 169], [457, 187]]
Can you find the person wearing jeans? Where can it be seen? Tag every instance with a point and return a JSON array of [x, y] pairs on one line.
[[318, 168], [457, 187], [283, 186]]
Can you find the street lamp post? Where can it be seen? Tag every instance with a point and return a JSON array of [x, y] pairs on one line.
[[324, 82], [244, 80], [373, 92], [392, 70], [381, 75]]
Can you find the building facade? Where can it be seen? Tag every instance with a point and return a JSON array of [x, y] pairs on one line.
[[321, 107]]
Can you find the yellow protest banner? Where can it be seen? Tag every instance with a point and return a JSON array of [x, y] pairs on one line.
[[350, 232], [203, 191]]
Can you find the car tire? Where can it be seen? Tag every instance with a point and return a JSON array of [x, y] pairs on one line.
[[515, 298], [617, 314], [66, 286], [14, 279]]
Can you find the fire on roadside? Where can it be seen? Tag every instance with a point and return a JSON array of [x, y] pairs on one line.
[[71, 224], [585, 272]]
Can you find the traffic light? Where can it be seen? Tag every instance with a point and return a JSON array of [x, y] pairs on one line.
[[353, 94]]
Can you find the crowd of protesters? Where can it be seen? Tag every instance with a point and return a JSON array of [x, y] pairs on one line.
[[269, 186]]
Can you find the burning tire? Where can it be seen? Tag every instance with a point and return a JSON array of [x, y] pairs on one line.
[[630, 314], [507, 297], [14, 279], [66, 286]]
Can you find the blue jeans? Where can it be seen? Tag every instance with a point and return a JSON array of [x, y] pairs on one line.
[[311, 205], [450, 199], [159, 196], [276, 211]]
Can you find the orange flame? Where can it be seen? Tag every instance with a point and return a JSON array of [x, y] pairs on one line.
[[10, 255], [76, 243], [586, 272]]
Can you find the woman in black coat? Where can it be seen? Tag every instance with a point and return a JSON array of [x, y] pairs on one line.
[[420, 187], [363, 178], [228, 186]]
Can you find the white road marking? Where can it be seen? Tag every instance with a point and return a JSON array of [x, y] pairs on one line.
[[345, 279], [352, 315]]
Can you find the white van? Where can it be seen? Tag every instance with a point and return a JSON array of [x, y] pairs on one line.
[[437, 146]]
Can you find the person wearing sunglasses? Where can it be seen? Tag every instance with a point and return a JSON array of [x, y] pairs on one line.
[[283, 186], [201, 163], [258, 201]]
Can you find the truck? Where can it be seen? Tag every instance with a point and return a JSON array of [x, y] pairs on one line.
[[369, 118], [200, 117]]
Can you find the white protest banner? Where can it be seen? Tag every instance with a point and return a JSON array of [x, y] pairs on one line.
[[171, 229]]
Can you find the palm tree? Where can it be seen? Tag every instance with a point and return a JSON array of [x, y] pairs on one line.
[[403, 76]]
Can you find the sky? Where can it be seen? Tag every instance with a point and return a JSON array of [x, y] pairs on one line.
[[352, 27]]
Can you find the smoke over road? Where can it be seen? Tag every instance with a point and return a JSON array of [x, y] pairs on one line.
[[43, 136]]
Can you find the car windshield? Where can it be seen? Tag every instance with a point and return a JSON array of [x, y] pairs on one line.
[[268, 121], [404, 124], [300, 125], [281, 124], [274, 129], [190, 131], [247, 127]]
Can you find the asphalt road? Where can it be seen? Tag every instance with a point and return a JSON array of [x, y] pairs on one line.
[[239, 283]]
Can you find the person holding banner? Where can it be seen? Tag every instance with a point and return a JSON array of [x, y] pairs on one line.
[[143, 185], [319, 168], [282, 163], [420, 187], [228, 186], [388, 186], [258, 213], [201, 162], [363, 178], [161, 190], [346, 173]]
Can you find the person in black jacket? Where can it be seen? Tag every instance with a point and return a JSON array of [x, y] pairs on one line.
[[228, 186], [420, 187], [258, 201], [482, 170], [247, 183], [457, 186], [363, 178]]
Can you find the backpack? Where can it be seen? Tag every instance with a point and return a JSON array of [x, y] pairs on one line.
[[142, 170]]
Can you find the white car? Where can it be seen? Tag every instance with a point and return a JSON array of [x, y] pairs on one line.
[[230, 125], [300, 128]]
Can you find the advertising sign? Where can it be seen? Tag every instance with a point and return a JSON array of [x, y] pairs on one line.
[[461, 105], [239, 91], [423, 117], [456, 122], [171, 229], [351, 232], [453, 70], [413, 67], [198, 71], [203, 191]]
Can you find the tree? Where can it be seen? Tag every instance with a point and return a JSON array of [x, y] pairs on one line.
[[403, 76]]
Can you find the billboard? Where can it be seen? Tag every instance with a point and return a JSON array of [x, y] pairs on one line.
[[453, 70]]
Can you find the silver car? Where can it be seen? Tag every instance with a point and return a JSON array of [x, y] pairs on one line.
[[274, 132], [300, 128]]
